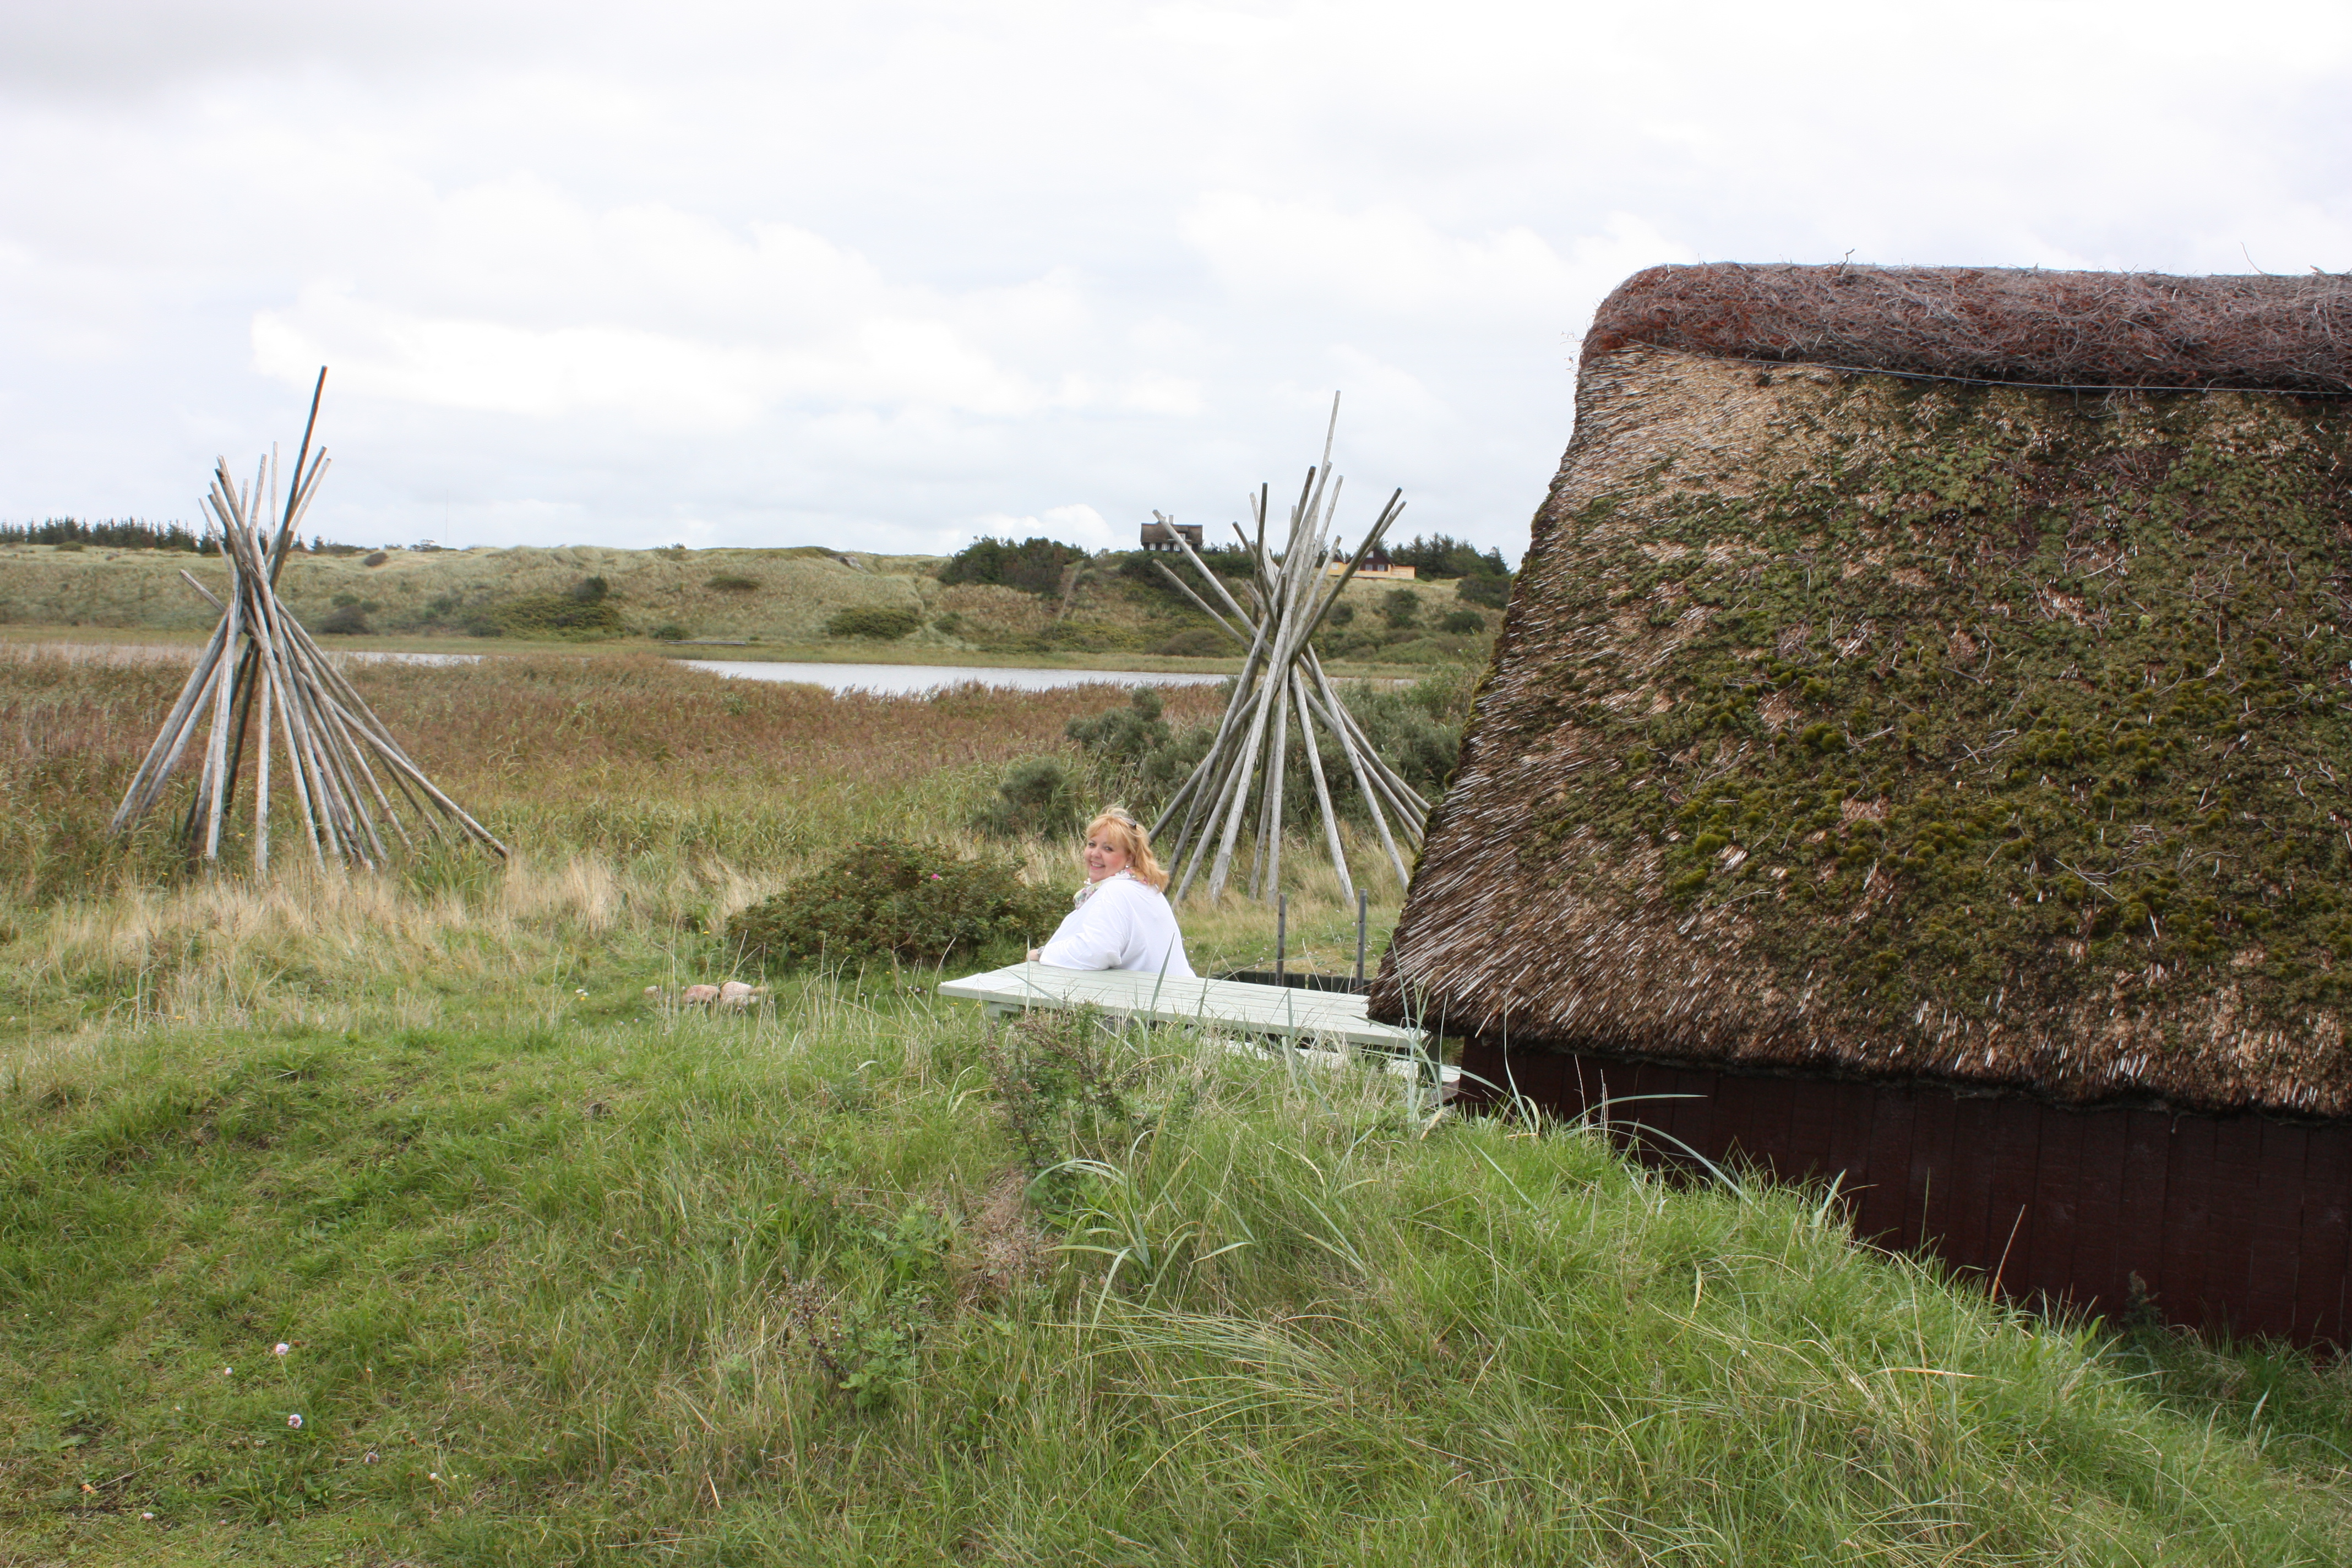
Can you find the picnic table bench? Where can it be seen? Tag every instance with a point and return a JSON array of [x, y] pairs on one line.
[[1322, 1022]]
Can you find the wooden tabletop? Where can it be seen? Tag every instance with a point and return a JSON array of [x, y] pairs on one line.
[[1328, 1016]]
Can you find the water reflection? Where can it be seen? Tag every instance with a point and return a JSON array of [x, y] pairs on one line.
[[915, 679]]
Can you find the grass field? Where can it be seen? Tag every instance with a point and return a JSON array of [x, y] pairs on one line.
[[566, 1276]]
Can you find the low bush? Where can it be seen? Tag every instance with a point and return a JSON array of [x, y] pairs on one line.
[[591, 590], [1132, 756], [1124, 735], [1200, 642], [345, 620], [1462, 623], [1401, 607], [1492, 592], [555, 615], [670, 631], [374, 558], [1034, 566], [1038, 795], [878, 623], [1141, 570], [732, 583], [892, 899]]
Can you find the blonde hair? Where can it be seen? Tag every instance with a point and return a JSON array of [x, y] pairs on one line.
[[1114, 826]]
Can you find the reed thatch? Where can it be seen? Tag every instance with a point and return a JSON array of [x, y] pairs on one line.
[[1854, 723], [2095, 329]]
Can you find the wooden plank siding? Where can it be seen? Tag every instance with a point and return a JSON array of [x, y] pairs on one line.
[[2238, 1223]]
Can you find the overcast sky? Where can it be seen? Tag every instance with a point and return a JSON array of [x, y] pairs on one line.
[[889, 276]]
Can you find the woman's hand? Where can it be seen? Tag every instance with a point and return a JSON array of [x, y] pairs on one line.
[[1033, 955]]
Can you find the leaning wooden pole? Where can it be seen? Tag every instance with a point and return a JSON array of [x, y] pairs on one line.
[[297, 503], [340, 754], [1243, 778]]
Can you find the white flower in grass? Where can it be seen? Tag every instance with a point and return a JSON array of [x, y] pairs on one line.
[[280, 1348], [294, 1421]]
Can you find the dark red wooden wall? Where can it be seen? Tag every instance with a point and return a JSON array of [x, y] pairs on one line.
[[2237, 1222]]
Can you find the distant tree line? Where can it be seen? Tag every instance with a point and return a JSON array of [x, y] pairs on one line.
[[1442, 555], [130, 533], [116, 533]]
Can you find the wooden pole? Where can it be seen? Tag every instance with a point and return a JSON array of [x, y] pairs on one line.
[[1322, 790]]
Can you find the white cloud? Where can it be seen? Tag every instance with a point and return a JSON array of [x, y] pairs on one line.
[[1073, 524], [1390, 260], [892, 273]]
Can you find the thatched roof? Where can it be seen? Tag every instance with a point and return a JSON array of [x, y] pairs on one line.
[[1851, 723], [2095, 329]]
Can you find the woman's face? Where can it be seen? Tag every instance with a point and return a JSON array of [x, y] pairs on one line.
[[1105, 857]]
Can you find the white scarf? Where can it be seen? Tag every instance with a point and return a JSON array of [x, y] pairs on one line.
[[1083, 894]]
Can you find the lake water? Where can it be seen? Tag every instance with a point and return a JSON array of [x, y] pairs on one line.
[[915, 679], [882, 680]]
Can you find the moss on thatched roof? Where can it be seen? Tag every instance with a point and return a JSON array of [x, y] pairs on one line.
[[1915, 729]]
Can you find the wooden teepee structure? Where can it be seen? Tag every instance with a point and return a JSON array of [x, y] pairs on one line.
[[1282, 685], [259, 655]]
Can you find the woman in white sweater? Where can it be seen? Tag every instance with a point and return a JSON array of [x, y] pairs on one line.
[[1122, 920]]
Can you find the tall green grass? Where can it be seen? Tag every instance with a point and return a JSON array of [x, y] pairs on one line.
[[568, 1276], [603, 1283]]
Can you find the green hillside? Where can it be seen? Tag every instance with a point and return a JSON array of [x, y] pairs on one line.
[[780, 600]]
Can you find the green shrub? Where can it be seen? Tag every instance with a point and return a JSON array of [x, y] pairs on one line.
[[1492, 592], [1400, 607], [556, 615], [1037, 797], [374, 558], [1341, 615], [881, 622], [345, 620], [1200, 642], [1462, 623], [1034, 564], [69, 544], [732, 583], [591, 590], [670, 631], [1142, 578], [892, 899], [1124, 735]]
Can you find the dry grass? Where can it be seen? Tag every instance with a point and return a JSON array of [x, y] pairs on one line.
[[646, 802]]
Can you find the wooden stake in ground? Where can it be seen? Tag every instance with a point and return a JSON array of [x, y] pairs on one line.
[[259, 652], [1282, 685]]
